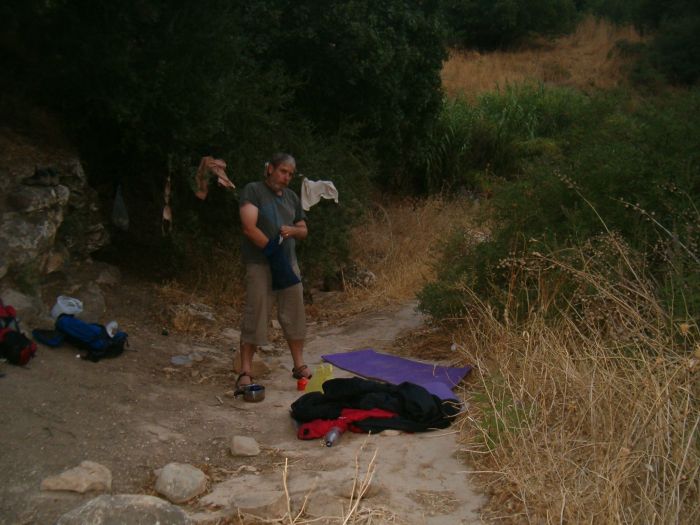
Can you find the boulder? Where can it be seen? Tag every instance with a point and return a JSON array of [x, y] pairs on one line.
[[30, 310], [94, 305]]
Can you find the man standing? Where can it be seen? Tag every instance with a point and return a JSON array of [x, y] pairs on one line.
[[272, 220]]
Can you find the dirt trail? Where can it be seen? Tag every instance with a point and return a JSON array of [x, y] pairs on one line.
[[138, 412]]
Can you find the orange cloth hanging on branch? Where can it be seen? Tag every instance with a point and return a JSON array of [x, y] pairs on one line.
[[216, 167]]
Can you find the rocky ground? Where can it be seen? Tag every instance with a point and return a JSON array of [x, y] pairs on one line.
[[140, 412]]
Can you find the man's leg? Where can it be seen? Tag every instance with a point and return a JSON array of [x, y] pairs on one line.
[[296, 347], [247, 351], [292, 318], [256, 313]]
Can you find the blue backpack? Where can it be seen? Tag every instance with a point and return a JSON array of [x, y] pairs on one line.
[[91, 337]]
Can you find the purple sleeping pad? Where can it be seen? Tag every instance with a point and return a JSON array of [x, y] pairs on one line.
[[438, 380]]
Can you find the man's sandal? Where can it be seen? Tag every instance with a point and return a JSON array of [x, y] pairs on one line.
[[298, 372], [240, 376]]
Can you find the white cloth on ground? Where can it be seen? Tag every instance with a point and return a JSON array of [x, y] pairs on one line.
[[312, 191]]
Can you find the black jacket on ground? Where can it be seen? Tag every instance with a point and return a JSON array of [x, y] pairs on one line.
[[418, 410]]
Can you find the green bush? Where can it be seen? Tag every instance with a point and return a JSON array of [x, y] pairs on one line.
[[497, 135], [371, 65], [630, 169], [149, 87]]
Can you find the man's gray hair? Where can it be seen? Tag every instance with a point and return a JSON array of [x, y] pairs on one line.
[[277, 159], [282, 158]]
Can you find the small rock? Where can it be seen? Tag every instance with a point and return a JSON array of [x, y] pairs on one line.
[[244, 446], [125, 508], [276, 324], [180, 482], [196, 356], [248, 494], [181, 360], [231, 334], [390, 432], [199, 310], [83, 478]]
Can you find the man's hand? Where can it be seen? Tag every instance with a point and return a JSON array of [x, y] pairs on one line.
[[287, 231], [297, 231]]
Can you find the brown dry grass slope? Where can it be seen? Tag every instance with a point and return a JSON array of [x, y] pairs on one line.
[[583, 420], [588, 58]]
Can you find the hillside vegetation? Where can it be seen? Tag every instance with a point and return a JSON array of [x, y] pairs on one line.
[[580, 305], [569, 278], [145, 88]]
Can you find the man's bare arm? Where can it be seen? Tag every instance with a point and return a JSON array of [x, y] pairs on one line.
[[249, 220]]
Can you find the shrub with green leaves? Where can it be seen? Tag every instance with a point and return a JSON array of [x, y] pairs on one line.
[[371, 65], [148, 87], [497, 135], [631, 168]]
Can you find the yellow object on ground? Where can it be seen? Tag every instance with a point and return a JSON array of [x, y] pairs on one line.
[[323, 373]]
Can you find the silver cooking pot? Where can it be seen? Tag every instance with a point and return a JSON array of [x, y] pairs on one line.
[[252, 393]]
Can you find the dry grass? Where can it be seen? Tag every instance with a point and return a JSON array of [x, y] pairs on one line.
[[213, 288], [586, 59], [398, 242], [572, 422]]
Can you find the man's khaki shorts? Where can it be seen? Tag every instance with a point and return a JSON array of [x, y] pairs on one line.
[[258, 307]]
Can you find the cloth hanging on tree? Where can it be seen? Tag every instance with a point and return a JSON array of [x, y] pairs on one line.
[[312, 191]]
